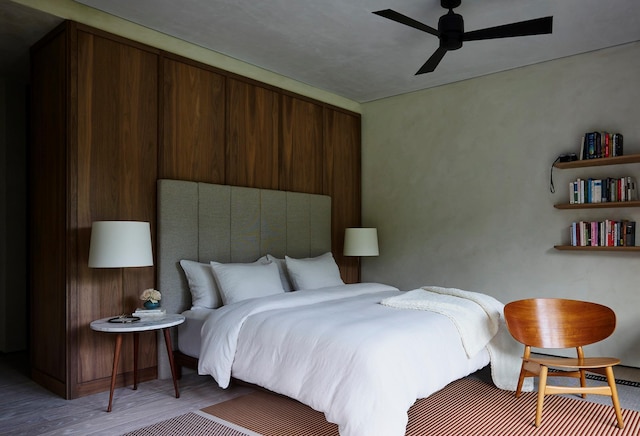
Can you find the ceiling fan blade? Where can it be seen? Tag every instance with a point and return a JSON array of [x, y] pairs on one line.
[[433, 61], [403, 19], [539, 26]]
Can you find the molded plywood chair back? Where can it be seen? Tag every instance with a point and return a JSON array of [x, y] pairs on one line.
[[555, 323]]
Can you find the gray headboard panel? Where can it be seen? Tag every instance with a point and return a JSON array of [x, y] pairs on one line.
[[204, 222]]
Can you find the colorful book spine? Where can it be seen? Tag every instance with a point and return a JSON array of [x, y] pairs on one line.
[[607, 233], [597, 145], [603, 190]]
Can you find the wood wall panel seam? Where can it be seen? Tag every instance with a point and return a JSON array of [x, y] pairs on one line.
[[133, 114]]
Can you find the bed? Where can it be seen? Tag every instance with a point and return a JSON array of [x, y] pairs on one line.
[[332, 346]]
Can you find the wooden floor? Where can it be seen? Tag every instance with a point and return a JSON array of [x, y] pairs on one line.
[[28, 409]]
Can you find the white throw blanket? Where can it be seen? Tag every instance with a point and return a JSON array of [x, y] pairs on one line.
[[479, 319]]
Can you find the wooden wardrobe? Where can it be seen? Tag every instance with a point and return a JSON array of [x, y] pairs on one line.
[[110, 116]]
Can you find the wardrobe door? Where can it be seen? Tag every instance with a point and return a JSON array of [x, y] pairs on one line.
[[48, 213], [342, 182], [116, 170], [192, 145], [252, 140], [302, 153]]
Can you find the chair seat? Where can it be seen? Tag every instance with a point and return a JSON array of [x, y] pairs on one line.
[[573, 363], [557, 323]]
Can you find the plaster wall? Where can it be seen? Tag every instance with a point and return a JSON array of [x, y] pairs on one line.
[[456, 179]]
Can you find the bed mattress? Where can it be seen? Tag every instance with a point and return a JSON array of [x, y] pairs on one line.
[[189, 331]]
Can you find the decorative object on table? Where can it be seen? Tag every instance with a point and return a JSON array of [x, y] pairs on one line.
[[149, 313], [120, 244], [124, 319], [151, 298], [150, 305]]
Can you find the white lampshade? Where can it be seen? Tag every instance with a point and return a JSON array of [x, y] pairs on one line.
[[119, 244], [361, 242]]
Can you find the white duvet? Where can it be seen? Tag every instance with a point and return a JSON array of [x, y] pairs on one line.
[[339, 351]]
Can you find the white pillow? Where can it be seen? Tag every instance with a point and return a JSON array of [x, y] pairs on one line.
[[240, 281], [313, 272], [282, 269], [203, 287]]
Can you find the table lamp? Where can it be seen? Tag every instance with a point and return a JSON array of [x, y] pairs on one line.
[[120, 244], [361, 242]]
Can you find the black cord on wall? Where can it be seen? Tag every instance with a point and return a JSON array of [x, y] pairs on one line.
[[552, 188]]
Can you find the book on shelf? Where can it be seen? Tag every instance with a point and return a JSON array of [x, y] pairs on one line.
[[597, 145], [584, 191], [607, 233], [630, 234]]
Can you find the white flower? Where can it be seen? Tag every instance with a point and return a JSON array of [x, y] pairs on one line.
[[151, 295]]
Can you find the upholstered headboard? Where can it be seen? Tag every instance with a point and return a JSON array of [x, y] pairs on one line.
[[204, 222]]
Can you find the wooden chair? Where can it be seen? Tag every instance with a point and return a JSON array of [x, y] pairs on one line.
[[559, 323]]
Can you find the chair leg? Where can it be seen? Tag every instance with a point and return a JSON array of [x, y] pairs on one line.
[[583, 381], [614, 395], [542, 387], [520, 381]]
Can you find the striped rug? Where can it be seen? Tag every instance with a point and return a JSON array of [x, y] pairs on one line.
[[467, 407]]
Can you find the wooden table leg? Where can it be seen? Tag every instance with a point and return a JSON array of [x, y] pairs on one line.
[[167, 341], [136, 342], [114, 371]]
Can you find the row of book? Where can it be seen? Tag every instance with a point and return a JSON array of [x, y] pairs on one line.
[[596, 145], [603, 190], [607, 233]]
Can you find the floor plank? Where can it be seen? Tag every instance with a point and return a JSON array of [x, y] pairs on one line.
[[26, 408]]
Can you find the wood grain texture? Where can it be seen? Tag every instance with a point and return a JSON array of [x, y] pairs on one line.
[[27, 409], [47, 204], [116, 155], [193, 108], [302, 158], [252, 147], [342, 183], [104, 128]]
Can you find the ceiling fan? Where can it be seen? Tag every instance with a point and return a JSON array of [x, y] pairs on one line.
[[451, 32]]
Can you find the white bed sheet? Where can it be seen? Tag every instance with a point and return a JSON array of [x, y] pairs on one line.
[[189, 331], [339, 351]]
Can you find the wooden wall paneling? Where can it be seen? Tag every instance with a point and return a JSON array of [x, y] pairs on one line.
[[301, 157], [117, 172], [342, 182], [253, 135], [103, 130], [193, 107], [47, 204]]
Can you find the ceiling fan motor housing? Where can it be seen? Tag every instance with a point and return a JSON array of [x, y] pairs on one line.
[[451, 28], [450, 4]]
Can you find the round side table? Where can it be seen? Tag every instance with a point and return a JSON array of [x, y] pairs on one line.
[[145, 324]]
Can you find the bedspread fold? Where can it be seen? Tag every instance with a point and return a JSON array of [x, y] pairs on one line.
[[479, 319], [338, 351]]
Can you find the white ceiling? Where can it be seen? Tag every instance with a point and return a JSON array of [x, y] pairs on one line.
[[341, 47]]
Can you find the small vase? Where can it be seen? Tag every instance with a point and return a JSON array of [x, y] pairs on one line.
[[151, 305]]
